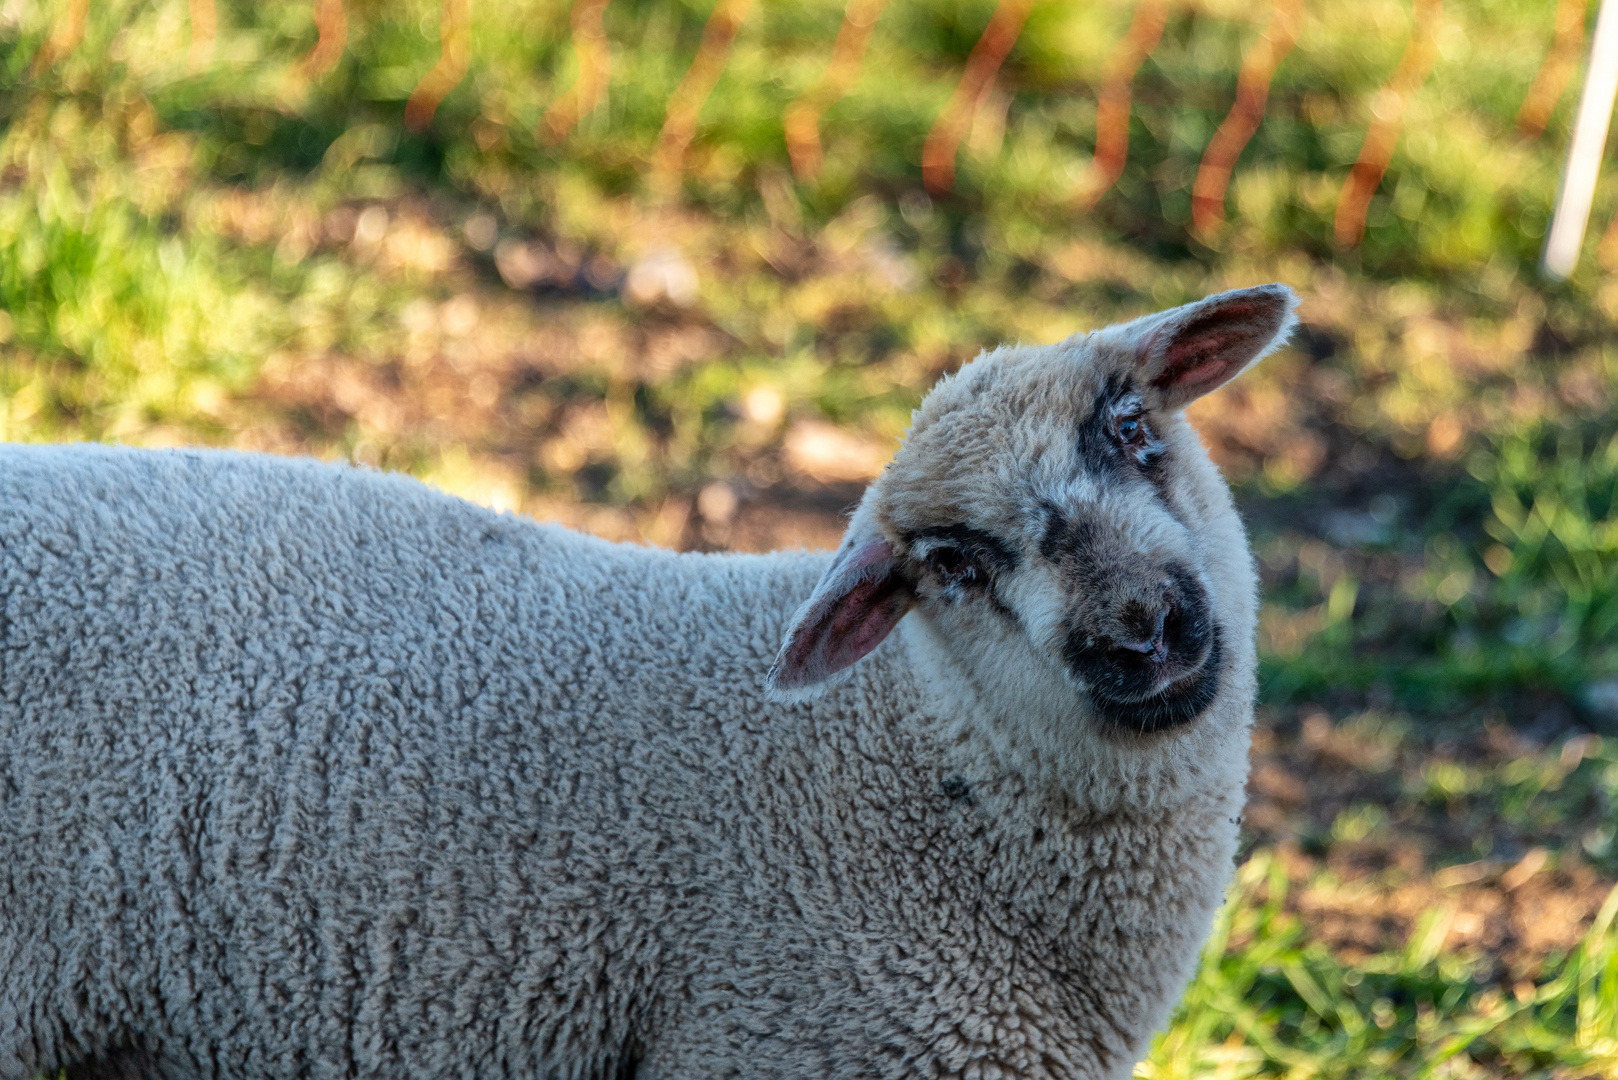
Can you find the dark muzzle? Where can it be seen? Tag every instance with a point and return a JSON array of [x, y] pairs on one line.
[[1149, 653]]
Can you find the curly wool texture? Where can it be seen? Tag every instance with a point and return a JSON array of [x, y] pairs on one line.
[[307, 771], [311, 771]]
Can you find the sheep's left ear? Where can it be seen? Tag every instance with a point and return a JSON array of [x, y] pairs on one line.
[[859, 599], [1198, 347]]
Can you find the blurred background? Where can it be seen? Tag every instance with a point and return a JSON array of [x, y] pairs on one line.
[[676, 273]]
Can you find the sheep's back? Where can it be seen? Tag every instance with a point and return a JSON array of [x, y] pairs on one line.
[[363, 763]]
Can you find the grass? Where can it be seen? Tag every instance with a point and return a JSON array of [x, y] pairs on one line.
[[200, 243], [1401, 912], [1270, 1001]]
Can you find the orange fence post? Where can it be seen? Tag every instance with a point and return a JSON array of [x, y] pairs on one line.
[[802, 122], [1557, 69], [680, 122], [64, 38], [1387, 114], [1252, 93], [331, 23], [1113, 101], [204, 28], [447, 73], [580, 99], [982, 67]]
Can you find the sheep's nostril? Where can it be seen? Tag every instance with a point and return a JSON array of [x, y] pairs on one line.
[[1151, 642]]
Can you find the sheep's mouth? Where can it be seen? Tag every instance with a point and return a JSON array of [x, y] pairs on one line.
[[1178, 703]]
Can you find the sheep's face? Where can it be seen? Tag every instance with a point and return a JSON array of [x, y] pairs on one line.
[[1071, 525], [1051, 505]]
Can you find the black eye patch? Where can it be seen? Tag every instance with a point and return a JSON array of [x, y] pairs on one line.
[[1117, 439], [973, 546]]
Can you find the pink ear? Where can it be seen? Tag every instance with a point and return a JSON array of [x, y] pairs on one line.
[[858, 601], [1202, 346]]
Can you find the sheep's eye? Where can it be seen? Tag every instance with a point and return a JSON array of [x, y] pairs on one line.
[[951, 564]]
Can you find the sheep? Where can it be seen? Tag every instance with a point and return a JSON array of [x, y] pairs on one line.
[[309, 771]]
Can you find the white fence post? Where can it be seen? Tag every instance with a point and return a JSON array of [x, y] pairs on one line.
[[1566, 236]]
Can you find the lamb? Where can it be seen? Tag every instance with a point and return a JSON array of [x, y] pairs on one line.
[[308, 771]]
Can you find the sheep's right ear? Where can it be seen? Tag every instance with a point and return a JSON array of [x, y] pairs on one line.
[[858, 601], [1190, 350]]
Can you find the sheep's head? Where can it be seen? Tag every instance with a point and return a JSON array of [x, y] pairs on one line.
[[1052, 504]]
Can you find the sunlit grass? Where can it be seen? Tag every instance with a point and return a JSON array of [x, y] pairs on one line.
[[1268, 1002]]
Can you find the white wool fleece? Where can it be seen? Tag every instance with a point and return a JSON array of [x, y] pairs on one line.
[[308, 771]]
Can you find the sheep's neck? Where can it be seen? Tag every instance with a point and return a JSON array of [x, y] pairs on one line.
[[1000, 714]]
